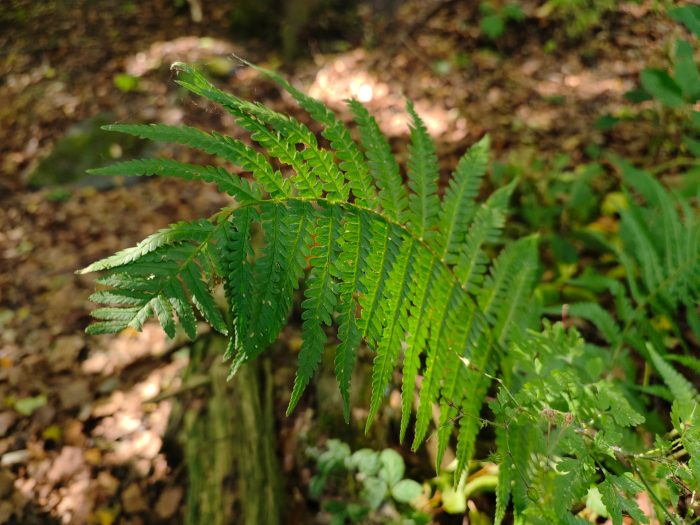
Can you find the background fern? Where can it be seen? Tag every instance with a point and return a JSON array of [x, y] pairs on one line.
[[390, 263]]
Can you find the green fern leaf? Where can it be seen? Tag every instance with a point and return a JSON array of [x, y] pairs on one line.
[[504, 474], [445, 297], [314, 168], [202, 299], [348, 268], [199, 230], [181, 305], [391, 264], [679, 386], [320, 302], [382, 164], [458, 203], [382, 254], [238, 255], [467, 330], [243, 190], [478, 383], [164, 312], [234, 151], [516, 312], [515, 264], [417, 330], [271, 290], [423, 173], [352, 161], [394, 313], [485, 229]]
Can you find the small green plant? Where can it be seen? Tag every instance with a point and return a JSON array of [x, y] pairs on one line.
[[366, 480], [494, 20]]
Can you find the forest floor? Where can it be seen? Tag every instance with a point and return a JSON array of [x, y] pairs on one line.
[[81, 437]]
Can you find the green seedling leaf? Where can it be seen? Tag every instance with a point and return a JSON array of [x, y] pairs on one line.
[[365, 461], [125, 82], [374, 492], [28, 405], [392, 468], [406, 490]]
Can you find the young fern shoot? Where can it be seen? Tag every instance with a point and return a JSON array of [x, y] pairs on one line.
[[389, 262]]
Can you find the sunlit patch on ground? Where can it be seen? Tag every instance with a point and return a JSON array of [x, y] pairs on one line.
[[345, 76]]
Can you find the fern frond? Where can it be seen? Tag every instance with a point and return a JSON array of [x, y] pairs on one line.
[[163, 270], [423, 173], [445, 295], [514, 264], [276, 133], [517, 311], [465, 331], [679, 386], [472, 399], [382, 254], [185, 314], [390, 263], [238, 277], [382, 164], [458, 203], [485, 229], [201, 296], [417, 331], [320, 302], [244, 191], [272, 293], [395, 315], [199, 230], [347, 268], [229, 149], [352, 161]]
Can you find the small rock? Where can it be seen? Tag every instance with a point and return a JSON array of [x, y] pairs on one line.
[[168, 502], [14, 457], [133, 499]]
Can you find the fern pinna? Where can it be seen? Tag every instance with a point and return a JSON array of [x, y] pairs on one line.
[[389, 263]]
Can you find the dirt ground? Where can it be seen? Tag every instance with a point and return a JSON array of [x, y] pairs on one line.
[[81, 439]]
